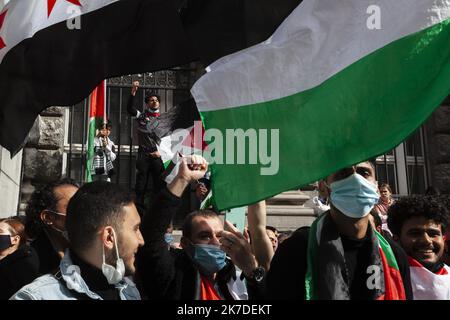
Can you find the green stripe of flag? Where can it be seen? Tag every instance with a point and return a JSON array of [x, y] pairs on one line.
[[387, 250]]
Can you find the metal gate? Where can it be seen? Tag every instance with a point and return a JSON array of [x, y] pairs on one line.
[[171, 85]]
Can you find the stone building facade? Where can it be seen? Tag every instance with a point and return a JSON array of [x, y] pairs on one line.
[[438, 136]]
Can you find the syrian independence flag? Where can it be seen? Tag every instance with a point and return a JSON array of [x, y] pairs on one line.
[[55, 52], [220, 27], [339, 82], [97, 116]]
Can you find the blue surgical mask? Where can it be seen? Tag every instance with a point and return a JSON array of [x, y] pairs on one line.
[[210, 258], [168, 237], [5, 241], [354, 196]]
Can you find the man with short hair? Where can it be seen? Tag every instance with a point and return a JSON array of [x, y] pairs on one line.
[[149, 166], [419, 223], [341, 257], [103, 228], [201, 269]]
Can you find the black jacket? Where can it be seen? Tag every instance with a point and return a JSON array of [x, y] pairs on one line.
[[286, 277], [147, 140], [165, 274], [49, 259], [17, 270]]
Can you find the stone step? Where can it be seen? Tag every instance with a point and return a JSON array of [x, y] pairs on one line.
[[283, 210], [289, 223], [288, 198]]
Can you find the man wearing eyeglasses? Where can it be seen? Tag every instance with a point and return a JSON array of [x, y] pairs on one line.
[[149, 165], [45, 222]]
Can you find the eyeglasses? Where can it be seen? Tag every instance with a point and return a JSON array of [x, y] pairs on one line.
[[57, 213], [154, 100]]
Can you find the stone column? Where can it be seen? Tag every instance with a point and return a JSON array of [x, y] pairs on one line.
[[43, 153], [438, 138], [10, 175]]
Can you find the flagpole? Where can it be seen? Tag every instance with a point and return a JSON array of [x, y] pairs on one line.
[[87, 170]]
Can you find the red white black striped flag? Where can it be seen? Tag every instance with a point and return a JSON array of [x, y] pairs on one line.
[[55, 52]]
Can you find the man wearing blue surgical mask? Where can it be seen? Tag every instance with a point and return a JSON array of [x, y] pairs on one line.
[[206, 268], [341, 257]]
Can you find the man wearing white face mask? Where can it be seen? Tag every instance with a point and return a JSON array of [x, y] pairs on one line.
[[103, 228], [341, 257]]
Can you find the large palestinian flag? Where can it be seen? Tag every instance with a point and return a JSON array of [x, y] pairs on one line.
[[55, 52], [339, 82]]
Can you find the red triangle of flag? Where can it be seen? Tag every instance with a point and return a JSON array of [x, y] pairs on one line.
[[2, 19], [51, 4]]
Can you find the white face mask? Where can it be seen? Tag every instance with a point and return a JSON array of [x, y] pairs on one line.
[[113, 275]]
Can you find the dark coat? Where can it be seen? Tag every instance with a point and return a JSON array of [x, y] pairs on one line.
[[48, 258], [17, 270]]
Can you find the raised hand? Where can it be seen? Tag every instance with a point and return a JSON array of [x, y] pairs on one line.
[[135, 88], [237, 248], [192, 168]]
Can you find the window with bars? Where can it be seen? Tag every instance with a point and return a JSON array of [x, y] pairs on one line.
[[405, 168]]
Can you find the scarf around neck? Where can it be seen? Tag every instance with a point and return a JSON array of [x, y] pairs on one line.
[[327, 274]]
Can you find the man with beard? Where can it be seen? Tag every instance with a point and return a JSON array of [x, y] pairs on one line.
[[418, 223], [103, 229]]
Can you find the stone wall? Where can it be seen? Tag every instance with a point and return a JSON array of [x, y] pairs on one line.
[[43, 153], [438, 147]]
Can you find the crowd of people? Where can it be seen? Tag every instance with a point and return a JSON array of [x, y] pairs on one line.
[[100, 242]]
